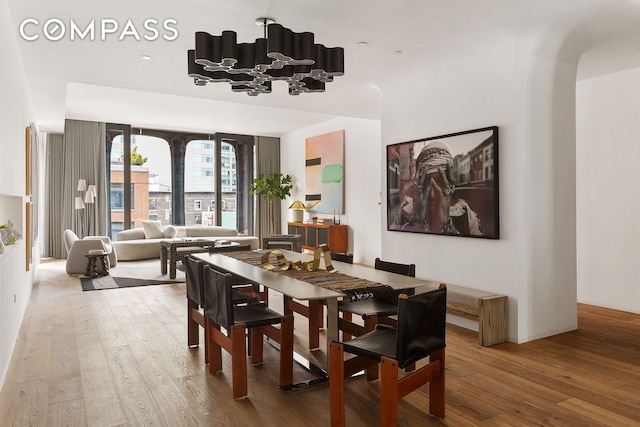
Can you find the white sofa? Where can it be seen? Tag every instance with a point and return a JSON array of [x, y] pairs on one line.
[[144, 243]]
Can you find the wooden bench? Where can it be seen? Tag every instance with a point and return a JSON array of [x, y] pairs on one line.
[[486, 308]]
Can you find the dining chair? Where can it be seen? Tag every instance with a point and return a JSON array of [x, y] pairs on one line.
[[420, 333], [236, 320], [374, 310], [255, 292], [194, 271]]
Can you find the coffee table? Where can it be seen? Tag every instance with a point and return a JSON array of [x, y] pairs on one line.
[[174, 250]]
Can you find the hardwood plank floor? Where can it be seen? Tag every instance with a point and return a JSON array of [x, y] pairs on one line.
[[119, 358]]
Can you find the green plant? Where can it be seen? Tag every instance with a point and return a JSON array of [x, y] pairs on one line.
[[271, 187], [136, 158]]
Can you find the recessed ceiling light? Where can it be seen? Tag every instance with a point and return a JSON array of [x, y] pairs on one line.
[[362, 43], [146, 57], [398, 52]]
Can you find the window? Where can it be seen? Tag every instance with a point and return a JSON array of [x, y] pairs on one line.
[[149, 174], [117, 195], [153, 177], [202, 158], [202, 171]]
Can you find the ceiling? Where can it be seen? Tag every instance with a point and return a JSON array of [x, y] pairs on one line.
[[109, 81]]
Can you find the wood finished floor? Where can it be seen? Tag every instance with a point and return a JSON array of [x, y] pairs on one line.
[[119, 358]]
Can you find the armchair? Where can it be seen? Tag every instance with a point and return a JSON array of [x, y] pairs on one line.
[[77, 249]]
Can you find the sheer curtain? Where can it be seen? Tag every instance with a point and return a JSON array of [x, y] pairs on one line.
[[267, 161], [53, 245], [78, 154]]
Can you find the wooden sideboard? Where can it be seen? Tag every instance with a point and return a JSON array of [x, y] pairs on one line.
[[335, 236]]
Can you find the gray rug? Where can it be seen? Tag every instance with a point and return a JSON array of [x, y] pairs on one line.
[[111, 282]]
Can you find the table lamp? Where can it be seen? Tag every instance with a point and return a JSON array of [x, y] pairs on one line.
[[297, 210]]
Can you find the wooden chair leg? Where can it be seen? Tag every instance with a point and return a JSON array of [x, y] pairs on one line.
[[286, 352], [369, 325], [336, 384], [315, 316], [214, 358], [437, 386], [193, 329], [321, 314], [389, 395], [205, 326], [346, 316], [255, 343], [238, 336]]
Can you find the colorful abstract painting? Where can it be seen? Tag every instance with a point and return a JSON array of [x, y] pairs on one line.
[[324, 173]]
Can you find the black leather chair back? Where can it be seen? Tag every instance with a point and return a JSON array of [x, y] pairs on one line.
[[421, 326], [218, 297], [195, 281], [394, 267]]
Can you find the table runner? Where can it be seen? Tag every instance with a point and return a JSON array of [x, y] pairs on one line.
[[354, 287]]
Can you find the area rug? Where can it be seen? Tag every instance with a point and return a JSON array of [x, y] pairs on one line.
[[111, 282]]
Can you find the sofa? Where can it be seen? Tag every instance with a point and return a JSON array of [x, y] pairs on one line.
[[144, 243]]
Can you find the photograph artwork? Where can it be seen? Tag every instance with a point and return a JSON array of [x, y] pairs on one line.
[[445, 185]]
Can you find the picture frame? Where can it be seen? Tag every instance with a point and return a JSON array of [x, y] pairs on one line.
[[445, 185], [324, 173], [34, 180]]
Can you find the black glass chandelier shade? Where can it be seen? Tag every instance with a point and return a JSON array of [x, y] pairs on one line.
[[251, 67]]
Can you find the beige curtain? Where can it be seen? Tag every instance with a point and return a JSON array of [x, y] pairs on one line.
[[78, 154], [267, 161], [53, 245]]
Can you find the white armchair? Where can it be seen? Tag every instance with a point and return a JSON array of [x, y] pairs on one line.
[[77, 249]]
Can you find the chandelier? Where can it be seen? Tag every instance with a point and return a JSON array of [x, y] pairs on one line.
[[251, 67]]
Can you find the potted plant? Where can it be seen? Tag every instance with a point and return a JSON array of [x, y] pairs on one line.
[[275, 186]]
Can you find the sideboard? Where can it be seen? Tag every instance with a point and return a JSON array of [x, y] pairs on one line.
[[313, 234]]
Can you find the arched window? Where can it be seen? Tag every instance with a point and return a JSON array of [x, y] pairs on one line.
[[179, 181]]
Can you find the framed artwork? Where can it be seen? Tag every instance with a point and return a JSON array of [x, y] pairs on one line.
[[324, 173], [445, 185], [32, 190], [34, 179]]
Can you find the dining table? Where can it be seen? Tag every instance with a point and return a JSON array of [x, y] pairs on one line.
[[288, 286]]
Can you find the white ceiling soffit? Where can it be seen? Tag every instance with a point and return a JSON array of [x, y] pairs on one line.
[[163, 111]]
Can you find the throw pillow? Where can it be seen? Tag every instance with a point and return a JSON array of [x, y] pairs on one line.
[[152, 229], [170, 232]]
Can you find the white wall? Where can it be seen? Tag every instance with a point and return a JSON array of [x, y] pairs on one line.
[[16, 111], [608, 150], [363, 182], [533, 263]]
